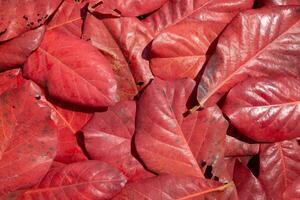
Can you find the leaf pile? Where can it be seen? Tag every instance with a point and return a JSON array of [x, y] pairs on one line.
[[150, 100]]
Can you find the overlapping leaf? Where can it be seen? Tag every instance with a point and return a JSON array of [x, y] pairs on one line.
[[277, 2], [293, 191], [16, 51], [129, 8], [108, 138], [279, 167], [72, 71], [235, 147], [17, 17], [68, 121], [69, 18], [10, 79], [180, 50], [205, 133], [248, 186], [28, 138], [183, 188], [258, 42], [159, 139], [174, 11], [123, 42], [81, 180], [266, 109]]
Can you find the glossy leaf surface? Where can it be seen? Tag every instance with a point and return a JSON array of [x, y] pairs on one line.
[[248, 186], [266, 109], [72, 71], [259, 42], [16, 51], [279, 167], [205, 133], [235, 147], [173, 12], [180, 50], [277, 2], [159, 139], [81, 180], [183, 188], [17, 16], [28, 138]]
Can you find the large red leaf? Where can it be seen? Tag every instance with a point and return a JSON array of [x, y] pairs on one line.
[[258, 42], [169, 187], [68, 18], [174, 11], [17, 16], [293, 191], [16, 51], [266, 109], [248, 186], [10, 79], [279, 167], [159, 139], [108, 138], [122, 41], [129, 8], [68, 121], [235, 147], [205, 133], [82, 180], [180, 50], [28, 138], [72, 71], [277, 2]]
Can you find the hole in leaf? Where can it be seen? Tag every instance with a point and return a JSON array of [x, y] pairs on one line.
[[208, 172], [253, 165], [140, 83], [25, 17], [37, 97]]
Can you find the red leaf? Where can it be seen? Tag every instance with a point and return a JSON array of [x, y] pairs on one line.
[[205, 133], [168, 187], [108, 138], [68, 18], [122, 41], [16, 51], [72, 71], [248, 186], [82, 180], [17, 17], [159, 139], [279, 167], [180, 50], [173, 12], [259, 42], [68, 122], [266, 109], [278, 2], [235, 147], [293, 191], [129, 8], [28, 138], [10, 79]]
